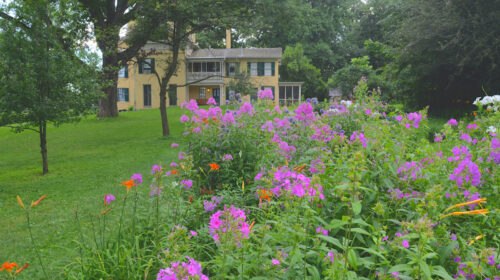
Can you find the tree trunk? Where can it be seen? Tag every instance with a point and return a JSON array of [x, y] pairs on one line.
[[108, 104], [163, 111], [43, 147]]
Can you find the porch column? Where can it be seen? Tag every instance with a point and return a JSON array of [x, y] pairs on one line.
[[222, 97], [300, 94]]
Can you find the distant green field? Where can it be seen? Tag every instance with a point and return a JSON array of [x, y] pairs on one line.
[[86, 160]]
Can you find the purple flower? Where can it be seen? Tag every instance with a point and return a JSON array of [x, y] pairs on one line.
[[227, 157], [155, 169], [405, 243], [193, 233], [368, 111], [211, 101], [154, 191], [173, 164], [182, 155], [187, 184], [275, 262], [174, 145], [108, 198], [452, 122], [184, 119], [137, 177]]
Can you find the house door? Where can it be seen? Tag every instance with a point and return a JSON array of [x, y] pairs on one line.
[[147, 95], [216, 95], [172, 95]]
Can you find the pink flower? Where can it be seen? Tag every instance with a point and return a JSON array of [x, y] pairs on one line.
[[405, 243], [137, 177], [368, 111], [452, 122], [193, 233], [184, 118], [211, 101], [174, 145], [275, 262], [187, 184], [108, 198]]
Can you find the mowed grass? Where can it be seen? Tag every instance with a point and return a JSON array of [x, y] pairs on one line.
[[86, 160]]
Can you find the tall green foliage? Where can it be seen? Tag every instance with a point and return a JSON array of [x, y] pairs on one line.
[[42, 80], [296, 66]]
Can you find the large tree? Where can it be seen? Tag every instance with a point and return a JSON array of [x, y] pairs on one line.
[[180, 20], [43, 76], [108, 17]]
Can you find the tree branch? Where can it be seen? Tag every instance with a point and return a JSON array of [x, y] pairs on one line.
[[15, 21]]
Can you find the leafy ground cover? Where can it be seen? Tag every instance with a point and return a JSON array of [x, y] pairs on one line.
[[86, 159], [350, 190]]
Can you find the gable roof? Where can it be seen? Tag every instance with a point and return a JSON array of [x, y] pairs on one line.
[[236, 53]]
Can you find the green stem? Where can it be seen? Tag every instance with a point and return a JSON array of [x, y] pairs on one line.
[[34, 244], [133, 215], [81, 240], [120, 229]]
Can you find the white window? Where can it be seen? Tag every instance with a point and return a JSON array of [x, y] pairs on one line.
[[253, 69], [203, 93], [123, 73], [268, 69], [123, 94]]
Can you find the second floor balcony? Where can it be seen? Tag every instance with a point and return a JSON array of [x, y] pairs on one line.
[[205, 71]]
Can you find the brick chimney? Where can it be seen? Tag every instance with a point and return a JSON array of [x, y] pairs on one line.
[[228, 38]]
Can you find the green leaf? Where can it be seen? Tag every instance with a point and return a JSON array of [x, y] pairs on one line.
[[400, 267], [352, 259], [441, 272], [360, 230], [313, 271], [356, 207], [425, 269], [332, 241]]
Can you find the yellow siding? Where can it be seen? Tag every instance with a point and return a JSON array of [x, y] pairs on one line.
[[136, 81]]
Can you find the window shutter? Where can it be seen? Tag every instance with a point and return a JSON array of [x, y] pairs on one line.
[[248, 68], [272, 70], [152, 65], [140, 66], [272, 88], [260, 68], [227, 69], [126, 94], [126, 71]]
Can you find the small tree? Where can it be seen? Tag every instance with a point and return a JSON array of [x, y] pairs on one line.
[[42, 80]]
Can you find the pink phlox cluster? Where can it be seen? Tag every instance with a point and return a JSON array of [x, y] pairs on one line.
[[286, 149], [438, 137], [184, 119], [211, 101], [267, 126], [317, 166], [460, 153], [472, 126], [154, 190], [322, 133], [209, 205], [265, 94], [297, 184], [466, 137], [360, 137], [246, 108], [227, 157], [187, 184], [494, 151], [305, 113], [282, 123], [155, 169], [191, 105], [467, 171], [452, 122], [229, 225], [137, 177], [228, 118], [277, 109], [414, 119], [411, 170], [182, 271], [398, 194], [330, 257], [322, 231]]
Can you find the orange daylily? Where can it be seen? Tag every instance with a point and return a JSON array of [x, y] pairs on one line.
[[105, 211], [20, 201], [128, 184], [265, 194], [477, 238], [22, 268], [175, 172], [38, 201], [251, 225], [214, 166], [300, 168], [474, 212], [8, 266], [190, 199], [478, 201]]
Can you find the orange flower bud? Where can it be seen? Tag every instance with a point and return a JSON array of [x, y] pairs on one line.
[[38, 201], [20, 201]]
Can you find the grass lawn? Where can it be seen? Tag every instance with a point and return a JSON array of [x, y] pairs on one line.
[[86, 160]]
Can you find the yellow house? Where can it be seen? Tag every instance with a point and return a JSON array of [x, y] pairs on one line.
[[201, 74]]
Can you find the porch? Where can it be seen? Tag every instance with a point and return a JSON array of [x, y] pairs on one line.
[[201, 93]]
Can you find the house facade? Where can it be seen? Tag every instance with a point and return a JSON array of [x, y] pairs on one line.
[[202, 74]]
